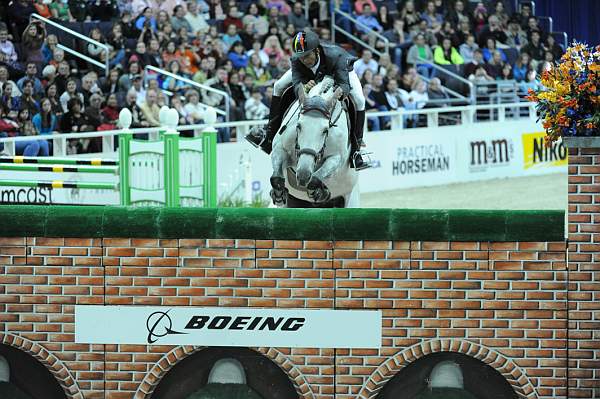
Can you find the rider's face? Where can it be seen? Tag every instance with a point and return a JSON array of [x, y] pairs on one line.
[[310, 59]]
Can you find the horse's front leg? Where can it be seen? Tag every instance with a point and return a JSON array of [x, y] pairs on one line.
[[316, 188], [279, 193]]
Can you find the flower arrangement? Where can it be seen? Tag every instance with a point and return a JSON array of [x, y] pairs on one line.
[[569, 100]]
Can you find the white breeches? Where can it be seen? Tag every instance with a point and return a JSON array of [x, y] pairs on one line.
[[356, 92]]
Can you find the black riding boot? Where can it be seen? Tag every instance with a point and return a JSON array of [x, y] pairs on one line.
[[263, 136], [356, 160]]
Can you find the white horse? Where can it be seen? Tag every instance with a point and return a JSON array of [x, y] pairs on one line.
[[310, 156]]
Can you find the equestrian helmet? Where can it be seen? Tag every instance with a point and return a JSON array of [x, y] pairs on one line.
[[304, 42]]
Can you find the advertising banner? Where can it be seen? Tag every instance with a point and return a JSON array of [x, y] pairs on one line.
[[290, 328], [539, 158]]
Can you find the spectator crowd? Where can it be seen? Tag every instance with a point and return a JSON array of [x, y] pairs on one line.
[[241, 48]]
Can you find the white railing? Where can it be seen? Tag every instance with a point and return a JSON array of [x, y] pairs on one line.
[[198, 85], [78, 35], [453, 75], [336, 28], [468, 116]]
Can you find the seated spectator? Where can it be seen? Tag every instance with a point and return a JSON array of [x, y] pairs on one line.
[[437, 93], [446, 54], [273, 67], [48, 47], [534, 48], [481, 77], [52, 96], [31, 75], [395, 96], [530, 83], [146, 20], [197, 22], [467, 49], [297, 18], [48, 75], [492, 31], [175, 85], [110, 112], [41, 8], [515, 36], [490, 48], [110, 84], [70, 93], [359, 6], [6, 46], [256, 19], [385, 66], [79, 10], [273, 46], [365, 62], [231, 36], [233, 18], [480, 17], [431, 16], [126, 80], [554, 48], [533, 25], [150, 108], [496, 64], [60, 11], [276, 21], [30, 148], [237, 56], [254, 109], [28, 99], [367, 21], [32, 41], [500, 13], [8, 100], [384, 18], [281, 6], [74, 120], [463, 31], [409, 15], [259, 74], [45, 121], [458, 14], [398, 40], [418, 54], [4, 80], [64, 74], [137, 119], [521, 67], [419, 95]]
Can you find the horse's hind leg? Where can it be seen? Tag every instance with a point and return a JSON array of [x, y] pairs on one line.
[[279, 194]]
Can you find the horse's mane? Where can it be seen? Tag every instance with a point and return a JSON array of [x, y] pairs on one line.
[[324, 88]]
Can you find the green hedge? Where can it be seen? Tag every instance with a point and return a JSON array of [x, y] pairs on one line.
[[291, 224]]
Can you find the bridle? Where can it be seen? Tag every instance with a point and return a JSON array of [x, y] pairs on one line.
[[317, 104]]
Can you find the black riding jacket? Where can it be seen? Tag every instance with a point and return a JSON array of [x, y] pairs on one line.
[[334, 61]]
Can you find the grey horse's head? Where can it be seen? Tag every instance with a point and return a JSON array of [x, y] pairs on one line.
[[317, 108]]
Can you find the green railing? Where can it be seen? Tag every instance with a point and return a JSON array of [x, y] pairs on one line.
[[285, 224], [124, 169]]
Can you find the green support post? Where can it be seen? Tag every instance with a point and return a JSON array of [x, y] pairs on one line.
[[209, 159], [124, 149], [171, 167]]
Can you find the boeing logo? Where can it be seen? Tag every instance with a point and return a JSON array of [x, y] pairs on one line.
[[159, 324]]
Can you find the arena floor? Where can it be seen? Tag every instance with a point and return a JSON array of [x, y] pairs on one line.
[[535, 192]]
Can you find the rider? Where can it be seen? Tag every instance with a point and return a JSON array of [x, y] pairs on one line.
[[310, 62]]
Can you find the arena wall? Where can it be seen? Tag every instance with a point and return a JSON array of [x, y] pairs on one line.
[[503, 287]]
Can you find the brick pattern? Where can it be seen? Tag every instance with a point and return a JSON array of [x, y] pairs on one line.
[[502, 303], [584, 272]]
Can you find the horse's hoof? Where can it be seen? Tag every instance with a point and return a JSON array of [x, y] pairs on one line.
[[320, 195], [279, 197], [279, 193]]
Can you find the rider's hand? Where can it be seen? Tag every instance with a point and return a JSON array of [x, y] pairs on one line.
[[309, 86]]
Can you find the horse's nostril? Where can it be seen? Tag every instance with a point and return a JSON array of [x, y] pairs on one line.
[[302, 176]]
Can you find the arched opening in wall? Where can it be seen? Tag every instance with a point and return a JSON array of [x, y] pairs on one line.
[[24, 377], [447, 375], [225, 373]]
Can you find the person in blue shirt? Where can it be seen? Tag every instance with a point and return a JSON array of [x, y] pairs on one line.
[[45, 121], [237, 56], [367, 18], [146, 16]]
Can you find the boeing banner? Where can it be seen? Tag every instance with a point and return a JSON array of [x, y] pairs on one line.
[[290, 328]]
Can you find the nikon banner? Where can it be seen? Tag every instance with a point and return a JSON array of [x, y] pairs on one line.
[[290, 328], [536, 155]]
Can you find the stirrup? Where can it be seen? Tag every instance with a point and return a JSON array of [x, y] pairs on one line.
[[366, 163], [261, 139]]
